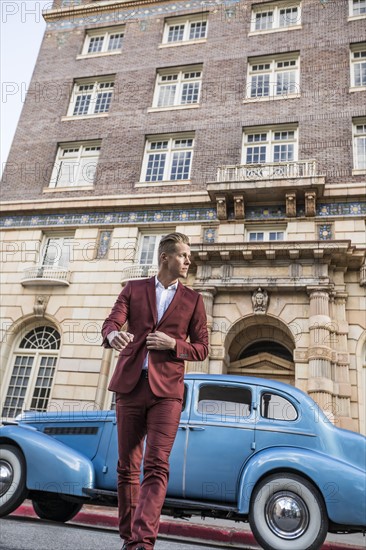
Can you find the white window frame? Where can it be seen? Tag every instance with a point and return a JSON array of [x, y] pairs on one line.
[[358, 134], [80, 164], [179, 78], [37, 355], [358, 57], [266, 231], [269, 142], [140, 250], [185, 21], [106, 34], [96, 88], [352, 12], [170, 149], [276, 8], [270, 67], [63, 245]]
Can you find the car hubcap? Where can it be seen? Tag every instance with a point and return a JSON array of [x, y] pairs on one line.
[[6, 477], [287, 515]]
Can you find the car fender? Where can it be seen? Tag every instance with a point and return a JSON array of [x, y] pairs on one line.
[[341, 485], [51, 465]]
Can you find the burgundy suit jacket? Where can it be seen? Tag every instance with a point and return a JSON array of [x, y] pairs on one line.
[[185, 317]]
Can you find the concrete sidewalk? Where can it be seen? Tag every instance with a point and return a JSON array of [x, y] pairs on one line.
[[224, 532]]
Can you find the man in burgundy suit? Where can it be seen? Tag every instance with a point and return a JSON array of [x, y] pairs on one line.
[[148, 380]]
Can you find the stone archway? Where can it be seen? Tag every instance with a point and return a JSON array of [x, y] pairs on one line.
[[261, 345]]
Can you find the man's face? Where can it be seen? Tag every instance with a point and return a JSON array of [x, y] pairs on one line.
[[178, 262]]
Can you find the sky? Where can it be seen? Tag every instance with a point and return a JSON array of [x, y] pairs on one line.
[[22, 29]]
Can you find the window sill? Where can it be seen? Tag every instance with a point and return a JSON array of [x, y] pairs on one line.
[[173, 108], [271, 98], [356, 17], [357, 89], [99, 54], [68, 188], [280, 29], [182, 43], [162, 183], [83, 117], [358, 172]]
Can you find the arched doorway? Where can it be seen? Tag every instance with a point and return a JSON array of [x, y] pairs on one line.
[[262, 346]]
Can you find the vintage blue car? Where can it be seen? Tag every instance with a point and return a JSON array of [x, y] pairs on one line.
[[246, 449]]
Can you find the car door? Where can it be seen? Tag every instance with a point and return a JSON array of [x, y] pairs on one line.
[[220, 437], [178, 454]]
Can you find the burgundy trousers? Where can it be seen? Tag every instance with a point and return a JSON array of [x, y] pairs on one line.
[[140, 413]]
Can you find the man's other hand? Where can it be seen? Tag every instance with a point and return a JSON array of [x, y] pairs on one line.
[[119, 340], [160, 340]]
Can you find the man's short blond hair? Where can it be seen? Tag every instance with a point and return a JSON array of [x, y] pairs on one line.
[[168, 242]]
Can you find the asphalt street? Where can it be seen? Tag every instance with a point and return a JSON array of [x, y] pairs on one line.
[[28, 534]]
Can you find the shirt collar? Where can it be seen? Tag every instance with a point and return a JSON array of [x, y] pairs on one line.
[[158, 284]]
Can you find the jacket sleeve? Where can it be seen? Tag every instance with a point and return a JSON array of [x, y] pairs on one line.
[[118, 316], [197, 348]]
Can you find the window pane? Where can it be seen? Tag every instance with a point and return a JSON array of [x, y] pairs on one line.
[[181, 165], [264, 20], [87, 171], [197, 30], [286, 83], [103, 102], [14, 400], [190, 92], [155, 167], [361, 153], [43, 384], [360, 74], [167, 95], [224, 401], [289, 16], [359, 7], [82, 104], [148, 249], [283, 153], [175, 33], [256, 155], [276, 407], [115, 42], [260, 86], [95, 44]]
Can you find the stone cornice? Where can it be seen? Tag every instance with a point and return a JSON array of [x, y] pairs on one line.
[[97, 8]]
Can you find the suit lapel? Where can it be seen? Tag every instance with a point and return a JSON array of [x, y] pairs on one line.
[[151, 295], [173, 304]]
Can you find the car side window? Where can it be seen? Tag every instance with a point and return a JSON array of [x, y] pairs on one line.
[[225, 401], [184, 397], [276, 407]]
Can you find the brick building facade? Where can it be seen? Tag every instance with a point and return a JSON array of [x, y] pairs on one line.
[[242, 124]]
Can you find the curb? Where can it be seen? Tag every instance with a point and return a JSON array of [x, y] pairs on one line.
[[191, 531]]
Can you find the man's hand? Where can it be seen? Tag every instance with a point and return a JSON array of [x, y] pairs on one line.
[[160, 340], [119, 340]]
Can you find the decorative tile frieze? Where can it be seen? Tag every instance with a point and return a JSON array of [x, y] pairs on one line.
[[342, 209], [209, 235], [110, 218]]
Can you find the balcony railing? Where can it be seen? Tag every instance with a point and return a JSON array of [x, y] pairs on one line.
[[268, 171], [139, 271], [46, 275]]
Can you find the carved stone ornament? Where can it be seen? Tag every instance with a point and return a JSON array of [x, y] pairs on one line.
[[40, 305], [260, 301]]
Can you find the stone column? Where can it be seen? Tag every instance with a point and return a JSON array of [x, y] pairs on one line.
[[320, 383], [342, 383], [208, 295], [103, 377]]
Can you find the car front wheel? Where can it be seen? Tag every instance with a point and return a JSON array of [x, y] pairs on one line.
[[288, 513], [12, 479], [55, 508]]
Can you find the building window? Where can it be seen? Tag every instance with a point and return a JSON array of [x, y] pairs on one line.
[[359, 144], [168, 158], [270, 234], [178, 87], [33, 371], [357, 8], [264, 145], [91, 97], [57, 252], [148, 249], [275, 16], [273, 77], [76, 165], [103, 41], [185, 29], [358, 65]]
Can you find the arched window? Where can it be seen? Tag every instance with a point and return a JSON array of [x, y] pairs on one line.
[[33, 372]]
